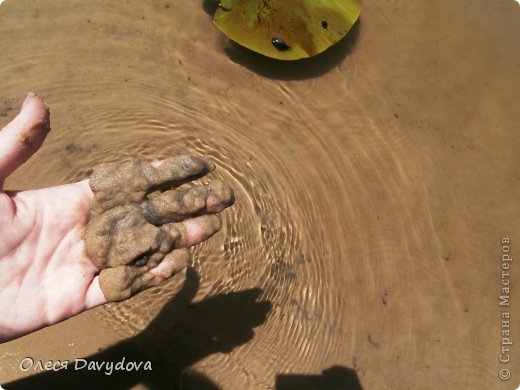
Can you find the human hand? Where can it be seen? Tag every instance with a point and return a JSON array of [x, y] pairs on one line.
[[55, 264]]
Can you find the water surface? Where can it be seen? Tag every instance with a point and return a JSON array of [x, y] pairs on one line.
[[373, 186]]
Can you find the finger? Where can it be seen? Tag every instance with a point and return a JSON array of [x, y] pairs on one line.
[[178, 170], [175, 205], [173, 263], [129, 181], [194, 230], [122, 282], [24, 135], [94, 296]]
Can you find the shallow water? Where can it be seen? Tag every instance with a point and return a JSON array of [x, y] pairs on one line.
[[373, 186]]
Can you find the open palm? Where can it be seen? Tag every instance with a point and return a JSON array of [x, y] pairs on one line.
[[46, 274]]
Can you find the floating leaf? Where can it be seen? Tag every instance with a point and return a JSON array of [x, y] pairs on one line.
[[287, 29]]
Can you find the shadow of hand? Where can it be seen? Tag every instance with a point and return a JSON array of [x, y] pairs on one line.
[[182, 334], [333, 378]]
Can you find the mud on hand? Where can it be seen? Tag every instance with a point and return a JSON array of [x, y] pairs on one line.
[[141, 224]]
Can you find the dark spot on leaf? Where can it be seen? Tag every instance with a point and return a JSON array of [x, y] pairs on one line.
[[324, 24]]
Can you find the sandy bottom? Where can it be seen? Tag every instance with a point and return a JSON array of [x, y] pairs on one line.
[[374, 185]]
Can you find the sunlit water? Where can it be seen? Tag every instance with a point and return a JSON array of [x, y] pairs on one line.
[[373, 186]]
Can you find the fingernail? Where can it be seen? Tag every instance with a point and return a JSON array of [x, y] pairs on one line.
[[29, 97], [209, 164]]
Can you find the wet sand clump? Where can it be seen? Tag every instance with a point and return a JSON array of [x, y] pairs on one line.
[[137, 233]]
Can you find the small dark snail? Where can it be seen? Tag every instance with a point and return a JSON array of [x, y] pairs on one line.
[[280, 44]]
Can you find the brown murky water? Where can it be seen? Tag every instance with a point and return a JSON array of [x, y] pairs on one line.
[[373, 183]]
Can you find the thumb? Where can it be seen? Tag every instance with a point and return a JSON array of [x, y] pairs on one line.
[[23, 136]]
